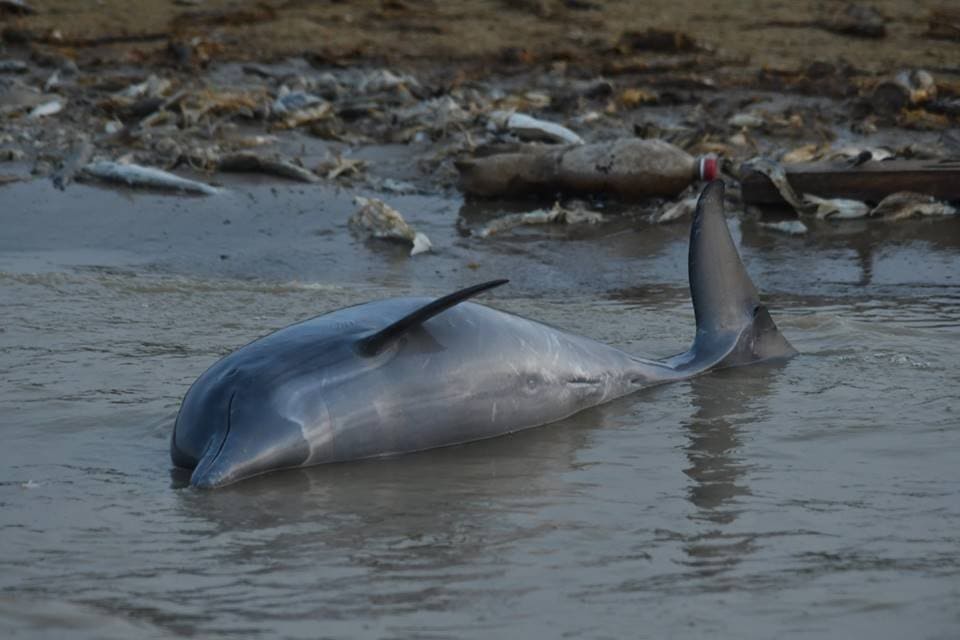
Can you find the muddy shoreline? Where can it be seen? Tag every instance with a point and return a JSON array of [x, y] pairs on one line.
[[396, 111]]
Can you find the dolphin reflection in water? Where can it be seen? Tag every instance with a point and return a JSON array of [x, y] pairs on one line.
[[407, 374]]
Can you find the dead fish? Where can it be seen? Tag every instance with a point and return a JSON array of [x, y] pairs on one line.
[[837, 208], [138, 176], [790, 227], [248, 161], [529, 128], [383, 221], [908, 204], [554, 215], [46, 109]]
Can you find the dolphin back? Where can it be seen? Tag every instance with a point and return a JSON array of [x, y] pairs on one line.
[[733, 327]]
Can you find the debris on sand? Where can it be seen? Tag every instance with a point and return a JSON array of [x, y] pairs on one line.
[[533, 129], [838, 208], [577, 214], [73, 164], [295, 108], [776, 175], [338, 166], [383, 80], [630, 168], [16, 97], [906, 204], [858, 155], [16, 7], [381, 220], [139, 99], [789, 227], [855, 19], [747, 120], [11, 155], [197, 107], [905, 89], [436, 116], [288, 101], [804, 153], [138, 176], [153, 87], [392, 185], [923, 120], [248, 161], [13, 66], [673, 211], [634, 97]]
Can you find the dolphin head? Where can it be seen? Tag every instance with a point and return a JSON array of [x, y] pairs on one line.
[[235, 423]]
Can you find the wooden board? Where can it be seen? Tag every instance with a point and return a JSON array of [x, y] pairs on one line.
[[869, 182]]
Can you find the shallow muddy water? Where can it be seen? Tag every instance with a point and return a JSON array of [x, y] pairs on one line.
[[816, 498]]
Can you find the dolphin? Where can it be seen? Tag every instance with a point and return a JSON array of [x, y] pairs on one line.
[[407, 374]]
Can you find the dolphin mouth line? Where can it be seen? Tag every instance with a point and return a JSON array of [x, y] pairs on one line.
[[226, 433], [206, 460]]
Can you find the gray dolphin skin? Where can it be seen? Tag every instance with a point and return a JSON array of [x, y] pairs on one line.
[[407, 374]]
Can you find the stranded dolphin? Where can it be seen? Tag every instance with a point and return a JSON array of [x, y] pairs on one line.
[[407, 374]]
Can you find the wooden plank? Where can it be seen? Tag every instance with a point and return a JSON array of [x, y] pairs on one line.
[[869, 182]]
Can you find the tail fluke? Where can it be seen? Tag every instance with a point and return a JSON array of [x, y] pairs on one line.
[[733, 327]]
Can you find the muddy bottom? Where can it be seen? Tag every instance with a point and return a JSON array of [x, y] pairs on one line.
[[817, 498]]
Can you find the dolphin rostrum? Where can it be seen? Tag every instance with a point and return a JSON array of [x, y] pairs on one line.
[[407, 374]]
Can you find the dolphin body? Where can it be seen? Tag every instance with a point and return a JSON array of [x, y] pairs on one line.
[[407, 374]]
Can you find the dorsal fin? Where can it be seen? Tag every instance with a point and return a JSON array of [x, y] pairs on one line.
[[374, 344]]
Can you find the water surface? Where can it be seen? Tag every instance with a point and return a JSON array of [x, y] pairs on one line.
[[816, 498]]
